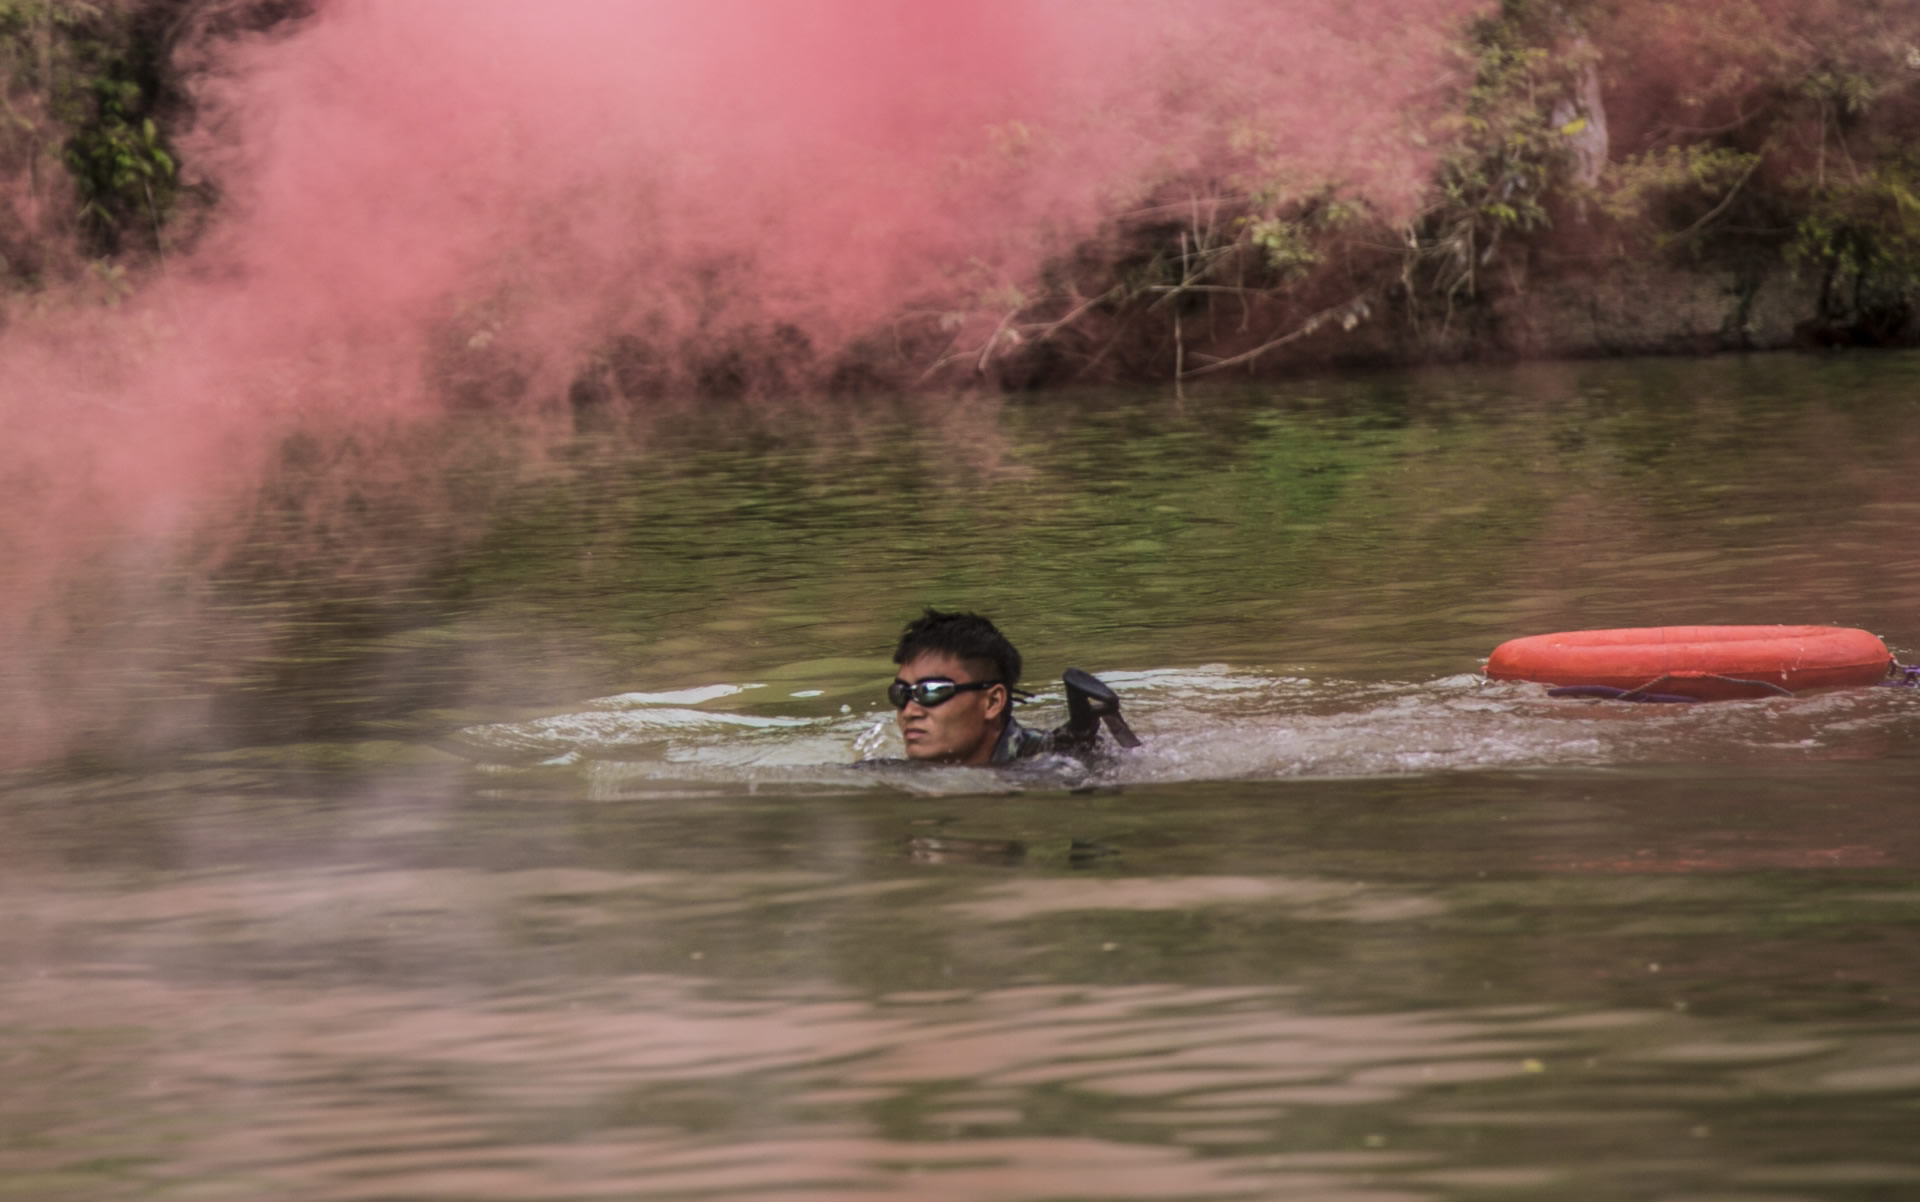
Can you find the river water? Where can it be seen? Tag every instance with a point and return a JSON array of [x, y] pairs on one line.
[[481, 822]]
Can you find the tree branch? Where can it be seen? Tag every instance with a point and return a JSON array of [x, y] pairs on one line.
[[1347, 313], [1726, 200]]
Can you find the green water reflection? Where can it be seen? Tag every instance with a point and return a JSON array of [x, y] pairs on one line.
[[1398, 525]]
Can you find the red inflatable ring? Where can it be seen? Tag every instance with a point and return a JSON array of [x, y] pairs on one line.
[[1698, 663]]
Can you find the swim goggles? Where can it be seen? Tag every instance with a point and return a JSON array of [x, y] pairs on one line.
[[932, 691]]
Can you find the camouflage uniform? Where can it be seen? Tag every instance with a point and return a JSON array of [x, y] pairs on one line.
[[1090, 704], [1016, 742]]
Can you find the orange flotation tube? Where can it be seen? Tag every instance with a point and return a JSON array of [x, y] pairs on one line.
[[1695, 663]]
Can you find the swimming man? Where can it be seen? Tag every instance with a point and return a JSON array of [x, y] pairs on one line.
[[954, 694]]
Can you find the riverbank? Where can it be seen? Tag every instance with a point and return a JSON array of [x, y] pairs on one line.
[[1580, 179], [1606, 179]]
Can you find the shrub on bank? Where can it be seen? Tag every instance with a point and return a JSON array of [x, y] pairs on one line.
[[1610, 176]]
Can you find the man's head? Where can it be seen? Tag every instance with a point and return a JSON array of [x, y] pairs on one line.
[[959, 725]]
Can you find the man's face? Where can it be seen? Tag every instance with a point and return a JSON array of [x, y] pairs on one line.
[[961, 729]]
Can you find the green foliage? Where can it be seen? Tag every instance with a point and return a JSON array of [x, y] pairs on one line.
[[1643, 183], [114, 150], [1847, 92], [27, 17], [1857, 204], [1500, 155], [80, 120], [1288, 245], [1291, 237], [1861, 232], [118, 157], [1788, 145]]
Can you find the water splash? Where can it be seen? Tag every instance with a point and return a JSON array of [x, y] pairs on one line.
[[1206, 723]]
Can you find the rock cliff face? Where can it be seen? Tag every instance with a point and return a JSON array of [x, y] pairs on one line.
[[1619, 308], [1628, 308], [1642, 308]]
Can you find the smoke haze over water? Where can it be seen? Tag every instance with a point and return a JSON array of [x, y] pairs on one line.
[[463, 199]]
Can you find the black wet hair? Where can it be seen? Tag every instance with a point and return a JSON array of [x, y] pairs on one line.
[[969, 638]]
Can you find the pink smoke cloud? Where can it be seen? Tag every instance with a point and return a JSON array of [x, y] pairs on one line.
[[410, 187]]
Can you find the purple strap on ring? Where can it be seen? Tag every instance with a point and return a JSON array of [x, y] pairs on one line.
[[1609, 693], [1904, 677]]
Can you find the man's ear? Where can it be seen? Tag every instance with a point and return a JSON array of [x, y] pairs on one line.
[[997, 701]]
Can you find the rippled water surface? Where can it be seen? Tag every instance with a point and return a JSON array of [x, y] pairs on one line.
[[489, 828]]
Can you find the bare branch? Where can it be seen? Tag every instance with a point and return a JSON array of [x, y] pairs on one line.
[[993, 340], [1726, 200], [1049, 328], [1344, 313]]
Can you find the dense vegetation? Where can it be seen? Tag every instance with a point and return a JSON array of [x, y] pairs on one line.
[[1616, 176], [1606, 176], [93, 95]]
